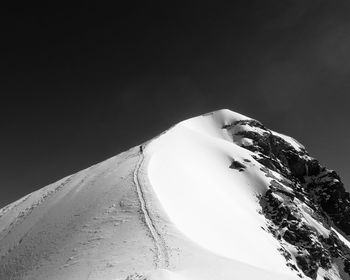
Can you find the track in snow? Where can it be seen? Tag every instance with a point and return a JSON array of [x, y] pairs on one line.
[[162, 258]]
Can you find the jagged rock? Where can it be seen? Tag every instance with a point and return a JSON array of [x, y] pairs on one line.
[[305, 183], [237, 165]]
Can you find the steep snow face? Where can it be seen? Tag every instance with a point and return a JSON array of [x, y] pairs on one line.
[[212, 204], [251, 194], [219, 196]]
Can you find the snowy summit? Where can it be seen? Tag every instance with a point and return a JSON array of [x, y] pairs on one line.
[[216, 197]]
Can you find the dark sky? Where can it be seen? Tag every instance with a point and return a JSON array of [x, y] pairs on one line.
[[80, 85]]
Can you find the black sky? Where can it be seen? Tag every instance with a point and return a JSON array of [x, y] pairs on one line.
[[80, 85]]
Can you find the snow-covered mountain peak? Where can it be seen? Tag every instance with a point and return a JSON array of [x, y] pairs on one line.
[[218, 196]]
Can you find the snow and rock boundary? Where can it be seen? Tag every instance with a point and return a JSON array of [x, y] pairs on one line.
[[217, 196]]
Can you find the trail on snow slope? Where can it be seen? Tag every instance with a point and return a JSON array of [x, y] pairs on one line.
[[162, 258]]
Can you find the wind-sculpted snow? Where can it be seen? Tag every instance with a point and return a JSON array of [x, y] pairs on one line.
[[218, 196]]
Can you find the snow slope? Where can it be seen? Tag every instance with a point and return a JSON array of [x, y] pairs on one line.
[[187, 205], [208, 202]]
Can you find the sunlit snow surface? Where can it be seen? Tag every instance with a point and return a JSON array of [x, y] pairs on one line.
[[172, 209], [213, 205]]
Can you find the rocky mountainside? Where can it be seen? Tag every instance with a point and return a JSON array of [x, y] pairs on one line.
[[301, 192], [218, 196]]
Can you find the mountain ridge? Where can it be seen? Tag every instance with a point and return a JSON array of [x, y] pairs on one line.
[[216, 196]]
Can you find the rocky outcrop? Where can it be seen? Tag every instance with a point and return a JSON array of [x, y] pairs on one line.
[[305, 204]]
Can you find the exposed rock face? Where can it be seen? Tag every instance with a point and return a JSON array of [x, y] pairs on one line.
[[305, 205], [237, 165]]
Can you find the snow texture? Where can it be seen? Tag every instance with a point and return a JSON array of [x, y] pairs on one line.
[[217, 196]]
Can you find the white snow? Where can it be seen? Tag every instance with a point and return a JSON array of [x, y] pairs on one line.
[[176, 211], [342, 238], [210, 203], [86, 226], [247, 127], [316, 225], [295, 144]]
